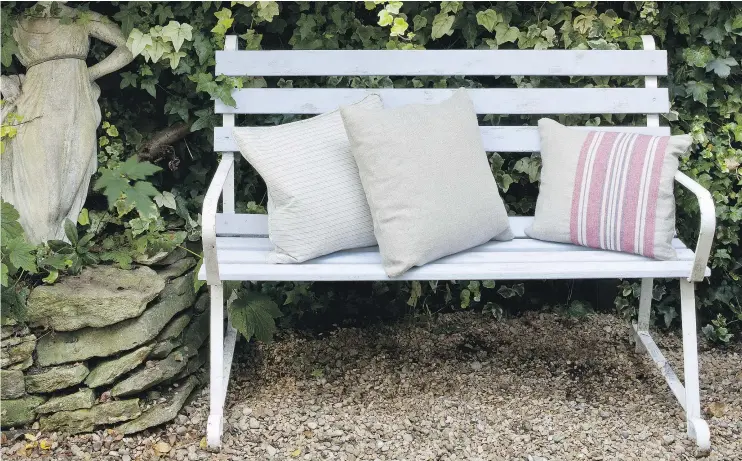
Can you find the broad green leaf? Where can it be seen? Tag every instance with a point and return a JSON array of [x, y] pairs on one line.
[[112, 184], [51, 278], [252, 40], [253, 315], [174, 58], [225, 21], [3, 275], [155, 51], [488, 284], [699, 90], [137, 41], [177, 33], [506, 34], [9, 217], [442, 24], [134, 169], [393, 7], [698, 57], [385, 18], [140, 197], [267, 10], [721, 66], [70, 230], [451, 7], [166, 199], [399, 28], [21, 254], [487, 19], [419, 22]]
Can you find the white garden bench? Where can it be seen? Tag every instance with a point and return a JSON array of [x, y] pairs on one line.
[[236, 245]]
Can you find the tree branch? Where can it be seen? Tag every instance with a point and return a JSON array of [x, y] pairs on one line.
[[160, 145]]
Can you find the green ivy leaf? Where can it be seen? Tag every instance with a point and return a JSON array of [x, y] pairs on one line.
[[385, 18], [506, 34], [721, 66], [698, 57], [253, 315], [3, 275], [267, 10], [419, 22], [487, 19], [699, 91], [138, 41], [416, 290], [177, 33], [399, 28], [224, 22], [442, 25]]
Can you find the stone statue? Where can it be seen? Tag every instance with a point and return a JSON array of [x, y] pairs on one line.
[[47, 166]]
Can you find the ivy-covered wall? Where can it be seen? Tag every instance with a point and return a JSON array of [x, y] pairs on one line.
[[158, 119]]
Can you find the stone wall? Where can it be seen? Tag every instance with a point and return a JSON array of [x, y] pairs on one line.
[[109, 347]]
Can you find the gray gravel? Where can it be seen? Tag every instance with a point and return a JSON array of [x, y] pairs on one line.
[[463, 386]]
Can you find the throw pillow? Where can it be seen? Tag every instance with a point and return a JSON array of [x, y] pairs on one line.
[[608, 190], [316, 201], [427, 180]]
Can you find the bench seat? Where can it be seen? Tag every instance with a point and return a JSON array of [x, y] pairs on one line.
[[243, 257]]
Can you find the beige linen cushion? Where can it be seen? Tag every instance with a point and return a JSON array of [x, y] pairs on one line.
[[427, 180], [316, 202], [607, 190]]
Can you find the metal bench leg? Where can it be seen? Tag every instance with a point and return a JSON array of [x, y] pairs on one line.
[[697, 428], [688, 395], [645, 305], [221, 352]]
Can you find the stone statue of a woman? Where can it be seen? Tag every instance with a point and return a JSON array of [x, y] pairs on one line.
[[47, 166]]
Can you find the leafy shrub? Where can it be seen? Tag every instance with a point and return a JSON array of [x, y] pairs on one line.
[[171, 83]]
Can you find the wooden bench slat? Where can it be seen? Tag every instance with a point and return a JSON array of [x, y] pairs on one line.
[[256, 226], [434, 271], [504, 101], [495, 138], [441, 62]]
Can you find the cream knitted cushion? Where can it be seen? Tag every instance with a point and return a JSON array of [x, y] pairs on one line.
[[317, 205]]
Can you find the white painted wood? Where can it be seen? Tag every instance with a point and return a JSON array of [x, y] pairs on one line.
[[495, 138], [440, 62], [690, 351], [432, 271], [216, 367], [515, 101], [230, 341], [653, 120], [228, 190], [372, 256], [645, 304], [707, 225], [208, 218], [256, 225]]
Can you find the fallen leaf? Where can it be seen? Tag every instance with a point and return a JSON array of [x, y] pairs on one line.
[[161, 447], [296, 453], [202, 444], [30, 437], [45, 444], [717, 409]]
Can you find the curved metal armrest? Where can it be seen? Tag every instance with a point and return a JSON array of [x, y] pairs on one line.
[[708, 225], [208, 219]]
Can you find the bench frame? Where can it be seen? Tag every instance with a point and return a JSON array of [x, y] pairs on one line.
[[222, 341]]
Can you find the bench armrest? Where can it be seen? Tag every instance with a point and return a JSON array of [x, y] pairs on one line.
[[708, 225], [208, 218]]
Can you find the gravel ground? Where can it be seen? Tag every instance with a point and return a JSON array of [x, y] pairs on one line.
[[463, 386]]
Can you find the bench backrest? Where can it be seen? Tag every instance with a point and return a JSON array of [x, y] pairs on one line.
[[648, 63]]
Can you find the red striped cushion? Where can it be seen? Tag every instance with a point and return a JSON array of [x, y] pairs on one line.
[[608, 190]]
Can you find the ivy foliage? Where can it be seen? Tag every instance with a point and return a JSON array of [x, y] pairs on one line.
[[172, 82]]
